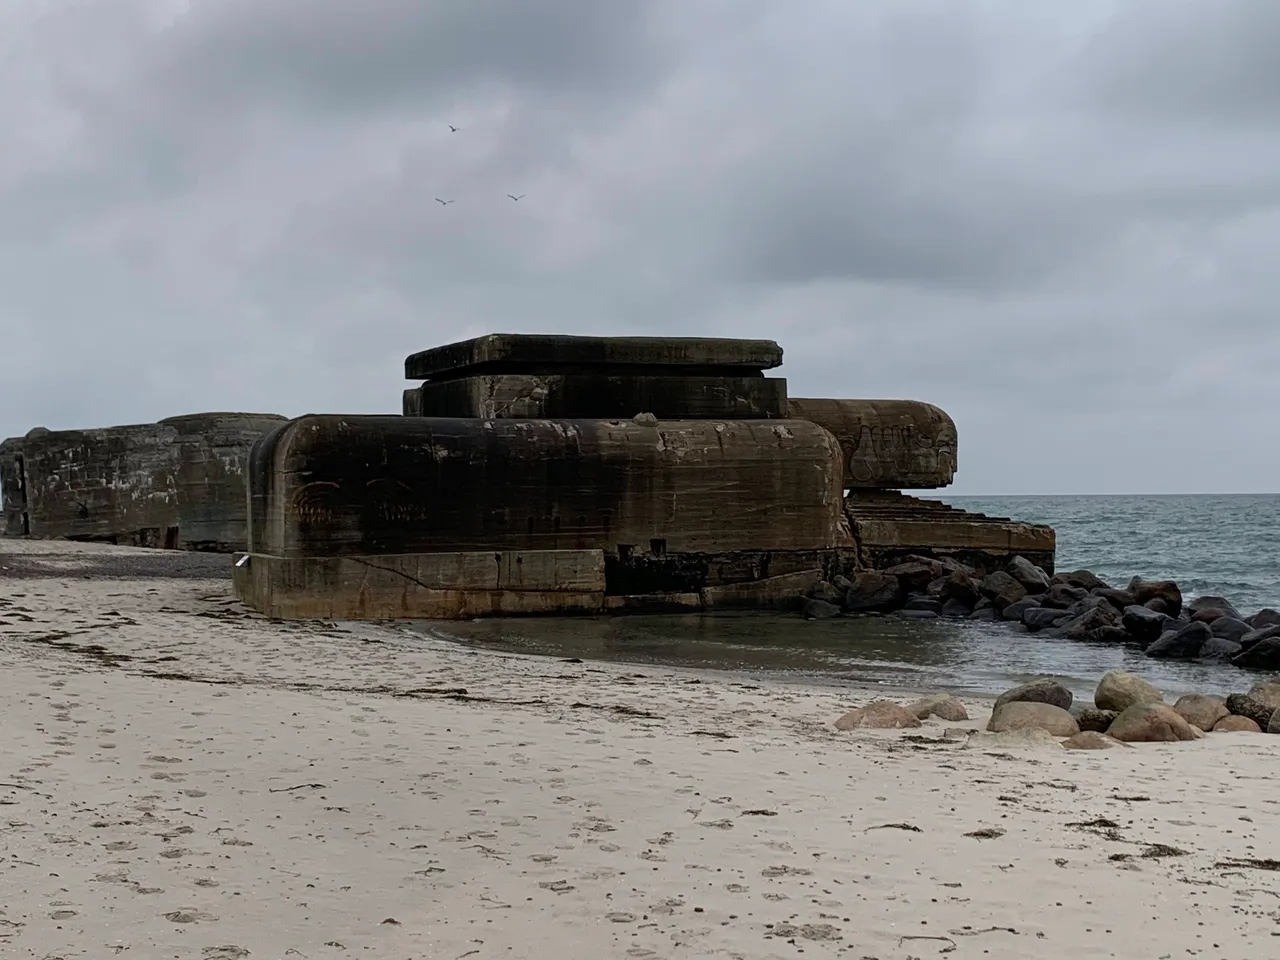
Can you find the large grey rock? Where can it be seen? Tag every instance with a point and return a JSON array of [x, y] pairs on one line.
[[1063, 595], [1117, 598], [873, 592], [915, 575], [1016, 610], [961, 588], [1085, 579], [1093, 615], [1150, 723], [1243, 705], [1021, 714], [1043, 690], [1218, 650], [1257, 635], [1264, 655], [1028, 738], [1118, 691], [1032, 578], [1267, 692], [1201, 710], [1210, 608], [1166, 592], [1091, 718], [1229, 628], [1042, 618], [1265, 617], [1144, 624], [1091, 740], [955, 609], [1183, 644], [1001, 589]]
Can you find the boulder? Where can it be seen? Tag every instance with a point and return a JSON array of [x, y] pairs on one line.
[[1117, 598], [1243, 705], [1091, 740], [873, 592], [814, 609], [1162, 606], [984, 611], [1229, 628], [827, 592], [1091, 718], [940, 705], [1001, 589], [1018, 608], [1084, 579], [879, 715], [962, 588], [1234, 724], [1032, 578], [1144, 624], [954, 608], [1165, 592], [1091, 617], [1151, 723], [1201, 710], [923, 603], [1257, 635], [1183, 644], [1043, 690], [1263, 655], [1118, 691], [1210, 608], [1274, 725], [1267, 693], [1063, 596], [1265, 617], [914, 575], [1020, 714], [841, 583], [1217, 650], [934, 590], [1111, 635], [1042, 618]]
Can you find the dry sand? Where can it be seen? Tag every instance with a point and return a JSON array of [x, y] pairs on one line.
[[182, 778]]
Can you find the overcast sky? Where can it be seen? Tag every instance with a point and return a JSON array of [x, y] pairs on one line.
[[1057, 221]]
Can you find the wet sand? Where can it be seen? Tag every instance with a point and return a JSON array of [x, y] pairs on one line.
[[182, 778]]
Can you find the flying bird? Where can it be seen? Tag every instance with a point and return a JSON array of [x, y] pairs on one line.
[[452, 128], [443, 203], [513, 197]]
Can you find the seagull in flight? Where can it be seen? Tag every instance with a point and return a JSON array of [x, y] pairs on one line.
[[452, 128], [443, 203], [514, 197]]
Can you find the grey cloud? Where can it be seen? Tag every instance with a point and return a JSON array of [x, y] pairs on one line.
[[954, 202], [1207, 64]]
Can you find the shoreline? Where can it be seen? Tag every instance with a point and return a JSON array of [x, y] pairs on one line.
[[181, 777]]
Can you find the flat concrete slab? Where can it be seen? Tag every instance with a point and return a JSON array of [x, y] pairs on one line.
[[529, 353]]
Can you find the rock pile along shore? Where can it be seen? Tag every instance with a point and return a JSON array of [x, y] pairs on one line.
[[1147, 614], [1125, 709]]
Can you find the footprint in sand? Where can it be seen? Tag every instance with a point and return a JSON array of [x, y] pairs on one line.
[[188, 916], [228, 952]]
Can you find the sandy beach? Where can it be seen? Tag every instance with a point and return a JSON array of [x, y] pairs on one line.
[[180, 777]]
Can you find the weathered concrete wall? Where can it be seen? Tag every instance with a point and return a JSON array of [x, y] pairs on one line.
[[887, 444], [890, 527], [367, 485], [560, 397], [178, 483]]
